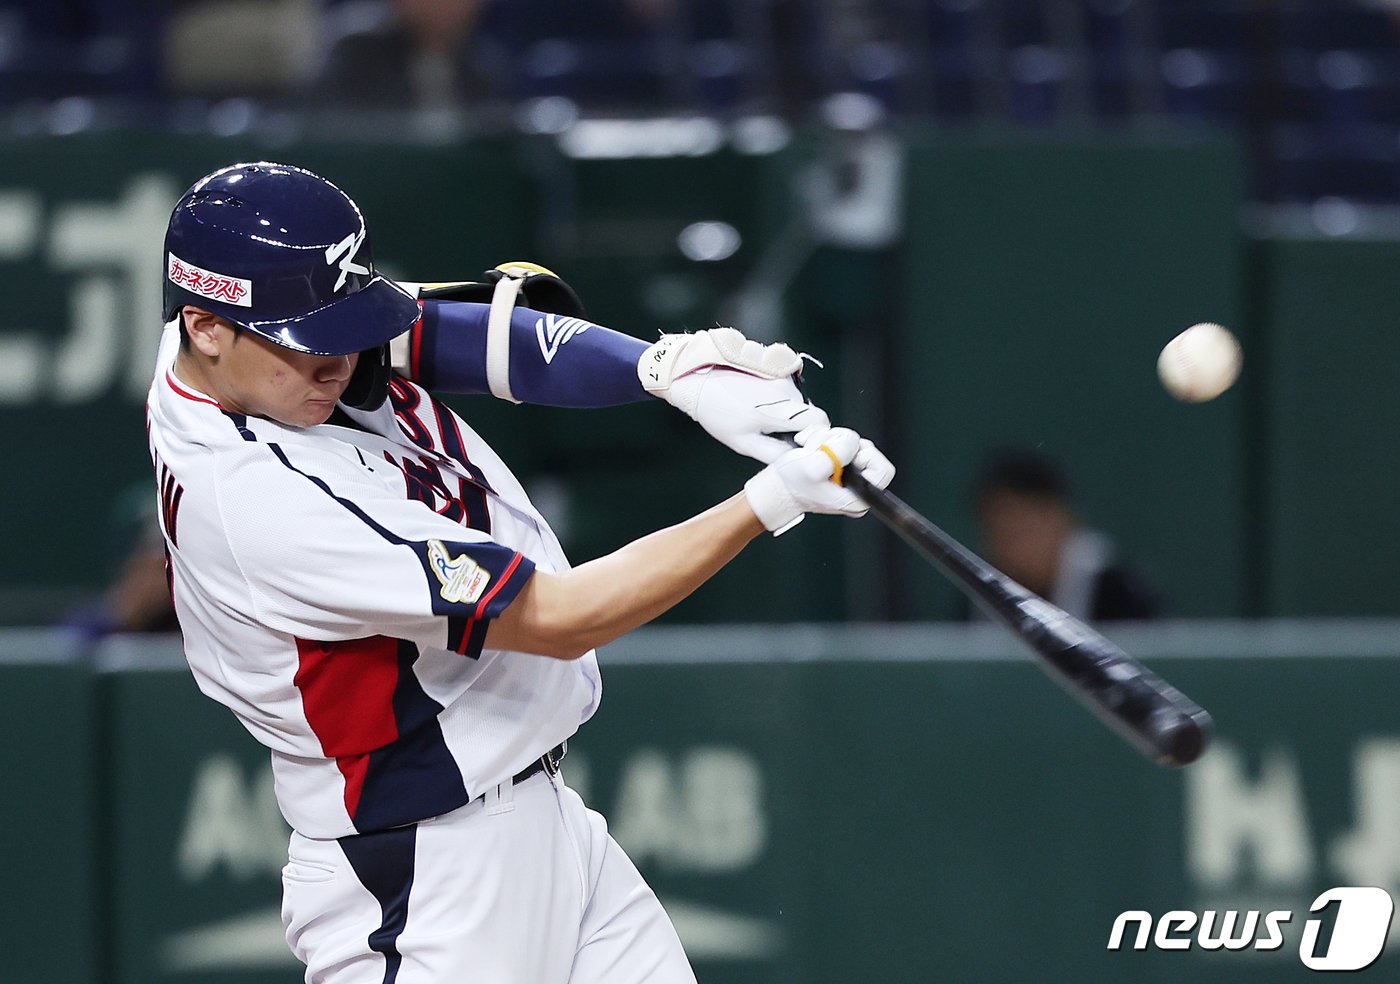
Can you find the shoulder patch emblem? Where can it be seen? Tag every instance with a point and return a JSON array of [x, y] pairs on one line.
[[462, 579]]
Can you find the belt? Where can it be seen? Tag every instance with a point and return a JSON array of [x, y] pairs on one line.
[[548, 762]]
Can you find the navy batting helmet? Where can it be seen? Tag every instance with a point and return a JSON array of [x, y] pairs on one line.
[[285, 254]]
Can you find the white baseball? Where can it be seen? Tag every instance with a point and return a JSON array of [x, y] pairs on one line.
[[1200, 363]]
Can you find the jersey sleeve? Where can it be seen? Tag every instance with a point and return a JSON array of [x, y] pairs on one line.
[[330, 551], [554, 360]]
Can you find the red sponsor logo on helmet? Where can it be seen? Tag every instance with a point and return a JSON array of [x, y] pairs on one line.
[[206, 283]]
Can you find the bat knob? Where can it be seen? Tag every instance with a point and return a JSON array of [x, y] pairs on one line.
[[1180, 737]]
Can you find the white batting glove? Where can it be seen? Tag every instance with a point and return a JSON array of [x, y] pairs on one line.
[[804, 479], [744, 393]]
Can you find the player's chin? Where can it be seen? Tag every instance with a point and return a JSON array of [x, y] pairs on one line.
[[314, 412]]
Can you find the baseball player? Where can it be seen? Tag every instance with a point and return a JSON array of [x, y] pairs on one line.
[[365, 584]]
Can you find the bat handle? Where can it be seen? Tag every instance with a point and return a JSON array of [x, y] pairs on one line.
[[858, 484], [849, 477]]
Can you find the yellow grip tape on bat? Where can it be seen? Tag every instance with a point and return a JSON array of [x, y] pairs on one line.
[[837, 469]]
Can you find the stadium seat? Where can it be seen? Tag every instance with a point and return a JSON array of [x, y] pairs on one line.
[[1205, 85], [1340, 86], [1357, 163], [1324, 25], [1121, 60], [1220, 25], [1038, 74]]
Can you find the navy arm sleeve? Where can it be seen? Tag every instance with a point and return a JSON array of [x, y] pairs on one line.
[[554, 360]]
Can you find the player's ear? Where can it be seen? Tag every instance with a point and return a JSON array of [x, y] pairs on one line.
[[202, 329]]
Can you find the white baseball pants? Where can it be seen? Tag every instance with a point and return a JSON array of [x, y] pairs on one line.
[[524, 886]]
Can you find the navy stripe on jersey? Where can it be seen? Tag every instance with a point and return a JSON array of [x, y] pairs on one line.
[[383, 862], [240, 421], [508, 569], [470, 635], [425, 481], [416, 776], [453, 445], [472, 492], [467, 636], [404, 400], [368, 710], [171, 493]]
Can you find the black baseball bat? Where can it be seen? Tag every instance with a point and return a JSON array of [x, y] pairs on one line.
[[1152, 715]]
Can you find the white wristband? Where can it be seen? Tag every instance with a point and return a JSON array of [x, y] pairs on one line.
[[673, 356], [771, 501], [657, 365]]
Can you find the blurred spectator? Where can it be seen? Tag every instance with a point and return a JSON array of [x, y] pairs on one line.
[[264, 47], [1029, 530], [407, 54], [1391, 7], [78, 49], [138, 598], [55, 18]]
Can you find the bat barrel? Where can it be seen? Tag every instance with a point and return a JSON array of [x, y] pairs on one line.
[[1155, 717], [1161, 721]]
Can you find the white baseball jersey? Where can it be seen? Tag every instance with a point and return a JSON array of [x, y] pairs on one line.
[[334, 584]]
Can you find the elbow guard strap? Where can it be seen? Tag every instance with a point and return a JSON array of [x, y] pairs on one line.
[[504, 287], [503, 300]]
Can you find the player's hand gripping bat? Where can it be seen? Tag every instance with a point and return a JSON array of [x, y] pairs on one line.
[[1152, 715]]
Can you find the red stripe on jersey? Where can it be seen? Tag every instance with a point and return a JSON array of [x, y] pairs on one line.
[[347, 692], [415, 352], [181, 391], [354, 768], [482, 605], [505, 579]]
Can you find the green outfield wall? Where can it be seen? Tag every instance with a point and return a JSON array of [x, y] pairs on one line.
[[52, 867], [966, 290], [1039, 282], [1331, 357], [813, 804]]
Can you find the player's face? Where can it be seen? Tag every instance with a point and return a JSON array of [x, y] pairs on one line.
[[266, 380], [1023, 535]]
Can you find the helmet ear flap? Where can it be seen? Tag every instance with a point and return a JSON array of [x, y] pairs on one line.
[[369, 383]]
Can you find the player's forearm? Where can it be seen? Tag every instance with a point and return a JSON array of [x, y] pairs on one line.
[[553, 361], [566, 614]]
